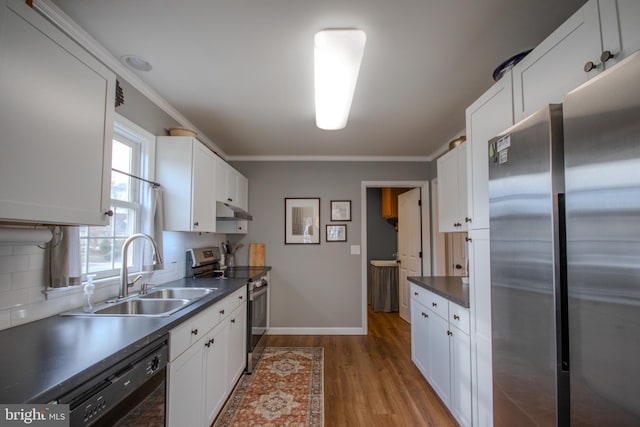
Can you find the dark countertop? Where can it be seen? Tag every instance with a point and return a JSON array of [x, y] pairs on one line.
[[449, 287], [41, 360]]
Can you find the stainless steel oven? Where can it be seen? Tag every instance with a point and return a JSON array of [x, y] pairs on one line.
[[257, 320], [130, 393]]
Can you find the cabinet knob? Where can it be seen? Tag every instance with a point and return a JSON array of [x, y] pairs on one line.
[[109, 212], [233, 320], [456, 317], [222, 311], [434, 304], [195, 224], [449, 333], [589, 66], [468, 239], [457, 224], [606, 55], [241, 297], [458, 267], [467, 219], [194, 331], [424, 314], [229, 199], [415, 293]]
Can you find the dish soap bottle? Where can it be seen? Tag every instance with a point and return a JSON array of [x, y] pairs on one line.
[[88, 294]]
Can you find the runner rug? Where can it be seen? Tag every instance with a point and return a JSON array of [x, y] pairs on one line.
[[285, 389]]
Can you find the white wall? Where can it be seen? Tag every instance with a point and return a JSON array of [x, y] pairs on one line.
[[22, 279], [315, 288]]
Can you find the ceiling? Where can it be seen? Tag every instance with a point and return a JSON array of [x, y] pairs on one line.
[[242, 71]]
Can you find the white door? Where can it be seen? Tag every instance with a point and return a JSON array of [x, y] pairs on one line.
[[409, 246]]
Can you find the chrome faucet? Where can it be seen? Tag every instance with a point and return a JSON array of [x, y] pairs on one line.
[[124, 280]]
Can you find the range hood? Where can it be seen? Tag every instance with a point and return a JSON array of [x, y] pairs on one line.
[[227, 212]]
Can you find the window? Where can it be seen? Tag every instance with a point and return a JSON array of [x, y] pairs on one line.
[[101, 247]]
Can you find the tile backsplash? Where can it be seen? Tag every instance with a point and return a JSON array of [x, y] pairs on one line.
[[22, 279]]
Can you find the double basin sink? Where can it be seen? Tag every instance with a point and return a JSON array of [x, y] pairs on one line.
[[156, 303]]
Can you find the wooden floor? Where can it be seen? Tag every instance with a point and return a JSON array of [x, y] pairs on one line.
[[371, 380]]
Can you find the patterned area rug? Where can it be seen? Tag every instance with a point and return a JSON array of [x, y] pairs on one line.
[[285, 389]]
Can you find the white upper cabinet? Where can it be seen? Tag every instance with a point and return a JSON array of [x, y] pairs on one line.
[[56, 117], [452, 190], [231, 187], [557, 65], [598, 35], [186, 169], [491, 114], [620, 20]]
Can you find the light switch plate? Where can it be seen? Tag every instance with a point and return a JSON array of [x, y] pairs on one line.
[[355, 249]]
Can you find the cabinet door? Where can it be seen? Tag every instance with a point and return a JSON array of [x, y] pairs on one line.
[[461, 376], [214, 348], [439, 366], [237, 348], [463, 216], [556, 66], [184, 405], [243, 192], [487, 117], [480, 302], [448, 192], [232, 186], [56, 117], [221, 180], [203, 193], [420, 337], [620, 28]]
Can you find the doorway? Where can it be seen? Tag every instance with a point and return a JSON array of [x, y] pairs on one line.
[[424, 232]]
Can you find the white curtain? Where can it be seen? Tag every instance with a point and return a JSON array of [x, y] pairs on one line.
[[153, 224], [65, 265]]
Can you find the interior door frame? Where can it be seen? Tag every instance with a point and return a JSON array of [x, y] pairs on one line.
[[426, 231]]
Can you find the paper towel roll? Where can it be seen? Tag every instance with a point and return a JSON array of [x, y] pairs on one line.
[[24, 236]]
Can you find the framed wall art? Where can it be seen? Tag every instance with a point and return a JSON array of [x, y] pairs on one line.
[[341, 210], [336, 232], [301, 221]]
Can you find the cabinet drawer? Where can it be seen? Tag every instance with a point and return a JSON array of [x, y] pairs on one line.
[[433, 302], [237, 298], [459, 317], [183, 336]]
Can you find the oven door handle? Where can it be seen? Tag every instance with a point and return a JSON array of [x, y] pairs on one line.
[[256, 294]]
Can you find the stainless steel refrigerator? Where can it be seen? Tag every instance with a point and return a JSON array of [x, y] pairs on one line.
[[564, 189]]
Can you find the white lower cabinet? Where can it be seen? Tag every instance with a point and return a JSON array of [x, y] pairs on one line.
[[441, 349], [201, 377]]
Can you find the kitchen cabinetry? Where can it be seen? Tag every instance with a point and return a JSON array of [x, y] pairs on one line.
[[56, 116], [186, 170], [575, 52], [452, 190], [231, 186], [441, 349], [390, 202], [489, 115], [207, 356]]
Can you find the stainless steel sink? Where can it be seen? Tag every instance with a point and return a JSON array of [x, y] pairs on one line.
[[177, 293], [141, 307]]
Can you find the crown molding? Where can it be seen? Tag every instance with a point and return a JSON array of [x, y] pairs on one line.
[[283, 158], [85, 40]]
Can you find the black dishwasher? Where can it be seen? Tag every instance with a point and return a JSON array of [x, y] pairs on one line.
[[130, 389]]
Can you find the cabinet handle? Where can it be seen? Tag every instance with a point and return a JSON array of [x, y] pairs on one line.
[[467, 219], [468, 239], [449, 333], [606, 55], [233, 320], [229, 199], [415, 293], [109, 212], [434, 304], [241, 297], [222, 311], [456, 317], [589, 66], [195, 224], [194, 331], [210, 342], [425, 314], [457, 224], [458, 267]]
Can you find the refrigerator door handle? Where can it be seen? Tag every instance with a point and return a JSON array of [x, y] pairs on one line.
[[563, 292]]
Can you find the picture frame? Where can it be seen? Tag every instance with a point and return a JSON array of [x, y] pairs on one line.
[[302, 221], [340, 210], [336, 232]]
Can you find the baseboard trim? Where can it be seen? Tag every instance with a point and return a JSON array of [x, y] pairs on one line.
[[316, 331]]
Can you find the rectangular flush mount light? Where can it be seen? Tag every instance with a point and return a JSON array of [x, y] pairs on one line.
[[338, 53]]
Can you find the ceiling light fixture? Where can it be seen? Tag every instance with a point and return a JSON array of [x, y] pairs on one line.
[[338, 54], [136, 62]]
